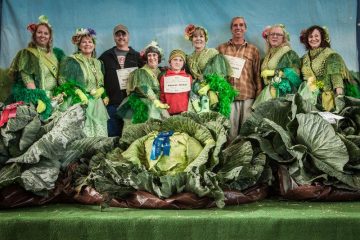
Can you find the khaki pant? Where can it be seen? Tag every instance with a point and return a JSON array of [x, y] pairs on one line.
[[240, 111]]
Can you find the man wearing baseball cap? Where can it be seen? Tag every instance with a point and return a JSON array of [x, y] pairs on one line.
[[118, 61]]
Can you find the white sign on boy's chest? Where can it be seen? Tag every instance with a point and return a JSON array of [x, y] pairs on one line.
[[176, 84]]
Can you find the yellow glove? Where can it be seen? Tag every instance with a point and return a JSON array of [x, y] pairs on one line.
[[158, 104], [196, 105], [281, 74], [98, 92], [40, 106], [267, 73], [106, 101], [82, 96], [204, 90], [311, 82]]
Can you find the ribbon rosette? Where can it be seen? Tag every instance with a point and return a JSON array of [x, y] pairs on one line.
[[161, 144]]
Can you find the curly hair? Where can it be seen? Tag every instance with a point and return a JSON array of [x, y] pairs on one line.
[[152, 49], [33, 37], [304, 37]]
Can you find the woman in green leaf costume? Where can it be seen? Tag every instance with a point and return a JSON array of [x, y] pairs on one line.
[[323, 70], [35, 69], [83, 80], [209, 69], [281, 66], [143, 90]]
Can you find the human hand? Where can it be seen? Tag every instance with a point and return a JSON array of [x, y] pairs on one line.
[[59, 98], [40, 106], [267, 73], [339, 91], [106, 101], [82, 96], [98, 92], [204, 90], [311, 82]]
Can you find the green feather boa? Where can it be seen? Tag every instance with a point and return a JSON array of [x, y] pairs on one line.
[[139, 108], [225, 91], [21, 93], [69, 88], [289, 83], [140, 111]]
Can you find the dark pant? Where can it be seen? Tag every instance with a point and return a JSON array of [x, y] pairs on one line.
[[114, 124]]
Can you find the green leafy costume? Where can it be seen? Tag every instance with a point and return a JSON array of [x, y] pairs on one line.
[[210, 67], [77, 71], [286, 64], [142, 89], [35, 65], [323, 71]]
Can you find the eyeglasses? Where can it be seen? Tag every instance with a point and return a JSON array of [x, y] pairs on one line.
[[276, 34]]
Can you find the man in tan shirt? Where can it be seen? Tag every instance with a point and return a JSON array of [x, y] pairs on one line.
[[244, 58]]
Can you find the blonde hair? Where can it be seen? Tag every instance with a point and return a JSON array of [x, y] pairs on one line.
[[285, 38]]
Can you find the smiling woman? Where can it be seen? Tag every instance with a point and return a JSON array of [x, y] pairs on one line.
[[82, 81], [35, 69], [324, 71], [143, 90], [280, 67], [210, 90]]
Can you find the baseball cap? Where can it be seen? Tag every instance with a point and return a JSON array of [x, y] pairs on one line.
[[120, 27]]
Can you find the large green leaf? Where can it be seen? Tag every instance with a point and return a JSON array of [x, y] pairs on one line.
[[299, 105], [52, 145], [322, 142], [218, 126], [41, 177], [277, 110], [9, 174], [296, 150]]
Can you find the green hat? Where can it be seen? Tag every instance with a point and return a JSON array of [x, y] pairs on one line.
[[177, 53]]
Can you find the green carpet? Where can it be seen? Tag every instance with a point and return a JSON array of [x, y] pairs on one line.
[[267, 219]]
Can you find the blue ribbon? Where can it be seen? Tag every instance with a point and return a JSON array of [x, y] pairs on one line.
[[161, 144]]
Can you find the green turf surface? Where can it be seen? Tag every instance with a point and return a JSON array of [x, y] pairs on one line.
[[267, 219]]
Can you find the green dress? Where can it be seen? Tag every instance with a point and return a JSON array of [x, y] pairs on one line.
[[87, 75], [286, 64], [323, 71], [210, 67], [142, 88], [35, 65]]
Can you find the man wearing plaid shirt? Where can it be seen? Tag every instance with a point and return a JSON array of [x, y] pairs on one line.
[[244, 59]]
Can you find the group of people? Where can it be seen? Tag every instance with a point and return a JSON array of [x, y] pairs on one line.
[[124, 86]]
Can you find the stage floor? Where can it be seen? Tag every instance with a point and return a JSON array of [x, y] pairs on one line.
[[268, 219]]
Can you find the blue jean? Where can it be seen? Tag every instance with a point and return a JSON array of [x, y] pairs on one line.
[[114, 124]]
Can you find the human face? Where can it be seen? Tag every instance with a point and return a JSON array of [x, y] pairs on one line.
[[42, 36], [199, 40], [276, 37], [87, 46], [238, 28], [176, 64], [122, 40], [152, 60], [314, 39]]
